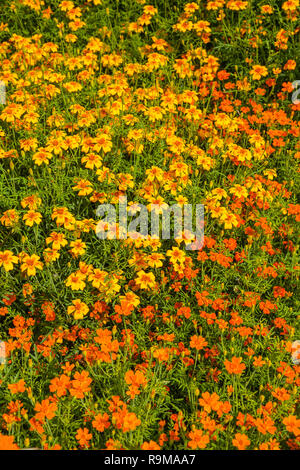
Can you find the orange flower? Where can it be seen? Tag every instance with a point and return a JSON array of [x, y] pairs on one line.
[[198, 440], [150, 446], [6, 443], [67, 368], [35, 425], [3, 312], [162, 354], [113, 445], [135, 378], [81, 384], [241, 441], [109, 347], [210, 401], [281, 394], [130, 422], [258, 361], [45, 409], [198, 342], [292, 424], [101, 422], [27, 289], [18, 387], [236, 5], [83, 436], [48, 310], [60, 385], [270, 445], [123, 419], [265, 425], [235, 366]]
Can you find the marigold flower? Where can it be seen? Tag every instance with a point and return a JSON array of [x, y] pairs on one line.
[[32, 217], [60, 385], [258, 71], [80, 384], [198, 440], [18, 387], [210, 401], [42, 156], [235, 366], [7, 443], [76, 281], [145, 280], [198, 342], [8, 259], [176, 254], [45, 409], [265, 425], [9, 218], [101, 422], [151, 445], [78, 247], [83, 436], [292, 424], [78, 309], [30, 264], [241, 441]]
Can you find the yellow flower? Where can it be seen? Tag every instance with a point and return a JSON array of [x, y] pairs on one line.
[[7, 258], [176, 255], [9, 218], [76, 281], [83, 187], [78, 247], [102, 142], [290, 5], [145, 280], [258, 71], [42, 156], [66, 5], [57, 240], [154, 260], [229, 220], [97, 278], [31, 201], [72, 86], [32, 217], [92, 160], [78, 309], [30, 264], [270, 173], [239, 191], [112, 286], [50, 254]]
